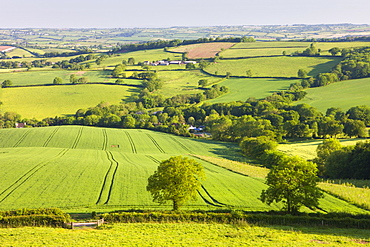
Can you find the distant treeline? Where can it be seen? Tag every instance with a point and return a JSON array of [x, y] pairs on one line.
[[176, 42], [343, 39]]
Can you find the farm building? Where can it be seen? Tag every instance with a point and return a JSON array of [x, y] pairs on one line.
[[20, 125]]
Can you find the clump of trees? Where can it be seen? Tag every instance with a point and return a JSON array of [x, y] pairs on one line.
[[177, 179], [6, 83], [337, 161]]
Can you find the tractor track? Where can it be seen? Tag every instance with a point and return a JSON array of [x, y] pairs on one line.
[[132, 144], [78, 137], [21, 139], [156, 144], [108, 181], [51, 137], [182, 145], [105, 139]]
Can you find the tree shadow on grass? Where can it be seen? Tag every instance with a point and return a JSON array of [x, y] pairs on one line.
[[324, 67]]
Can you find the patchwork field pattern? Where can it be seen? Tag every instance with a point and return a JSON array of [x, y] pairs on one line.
[[73, 167]]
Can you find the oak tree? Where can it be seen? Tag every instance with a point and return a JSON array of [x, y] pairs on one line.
[[177, 179]]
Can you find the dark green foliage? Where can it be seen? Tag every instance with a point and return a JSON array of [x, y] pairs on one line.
[[334, 51], [258, 146], [344, 162], [360, 113]]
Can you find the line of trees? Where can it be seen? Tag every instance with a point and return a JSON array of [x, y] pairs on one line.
[[176, 42]]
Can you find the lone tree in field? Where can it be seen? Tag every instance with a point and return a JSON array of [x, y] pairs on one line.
[[7, 83], [57, 80], [294, 182], [176, 179], [302, 73]]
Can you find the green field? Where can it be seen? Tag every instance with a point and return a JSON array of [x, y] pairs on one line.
[[242, 89], [50, 101], [343, 94], [263, 49], [277, 48], [274, 66], [307, 148], [85, 168], [185, 234], [35, 77]]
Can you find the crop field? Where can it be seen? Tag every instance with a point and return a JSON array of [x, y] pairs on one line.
[[187, 234], [49, 101], [75, 167], [241, 89], [205, 50], [273, 66], [338, 95]]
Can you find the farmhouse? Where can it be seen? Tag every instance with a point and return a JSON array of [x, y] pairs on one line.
[[20, 125]]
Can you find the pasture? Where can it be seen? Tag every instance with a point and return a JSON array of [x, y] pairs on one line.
[[273, 66], [342, 94], [41, 77], [86, 168], [188, 234], [49, 101], [240, 89]]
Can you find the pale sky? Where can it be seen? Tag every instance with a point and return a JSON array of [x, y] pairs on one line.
[[167, 13]]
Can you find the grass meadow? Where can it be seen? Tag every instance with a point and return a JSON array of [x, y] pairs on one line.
[[49, 101], [240, 89], [273, 66], [87, 168], [185, 234], [343, 94]]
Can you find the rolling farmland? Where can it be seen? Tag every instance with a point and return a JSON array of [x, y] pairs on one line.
[[75, 167]]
